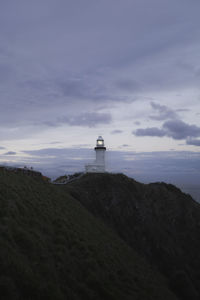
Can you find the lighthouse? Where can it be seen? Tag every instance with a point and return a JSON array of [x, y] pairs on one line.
[[99, 164]]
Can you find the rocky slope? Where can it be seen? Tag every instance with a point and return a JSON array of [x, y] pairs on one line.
[[157, 220], [51, 247]]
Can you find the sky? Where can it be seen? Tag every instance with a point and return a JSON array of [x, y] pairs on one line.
[[128, 70]]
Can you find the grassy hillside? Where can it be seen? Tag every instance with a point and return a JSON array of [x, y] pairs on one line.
[[157, 220], [51, 247]]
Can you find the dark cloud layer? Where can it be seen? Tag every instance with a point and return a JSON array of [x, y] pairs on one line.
[[179, 130], [175, 129], [10, 153], [163, 112], [153, 131]]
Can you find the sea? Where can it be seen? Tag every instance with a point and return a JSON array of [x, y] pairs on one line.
[[193, 190]]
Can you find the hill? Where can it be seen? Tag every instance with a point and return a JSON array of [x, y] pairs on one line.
[[52, 247], [157, 220]]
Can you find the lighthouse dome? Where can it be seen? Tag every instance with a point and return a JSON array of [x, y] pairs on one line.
[[100, 141]]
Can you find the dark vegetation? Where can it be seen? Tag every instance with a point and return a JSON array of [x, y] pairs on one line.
[[52, 247], [157, 220]]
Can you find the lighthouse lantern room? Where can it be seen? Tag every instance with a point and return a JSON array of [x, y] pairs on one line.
[[99, 164]]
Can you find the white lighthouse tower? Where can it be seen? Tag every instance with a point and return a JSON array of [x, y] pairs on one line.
[[99, 164]]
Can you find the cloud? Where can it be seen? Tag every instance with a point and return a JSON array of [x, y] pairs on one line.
[[182, 109], [137, 123], [116, 131], [163, 112], [54, 143], [193, 142], [127, 85], [175, 129], [179, 130], [91, 119], [6, 72], [1, 148], [77, 88], [10, 153], [153, 131]]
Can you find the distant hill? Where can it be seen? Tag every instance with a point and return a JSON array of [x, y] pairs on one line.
[[52, 247], [157, 220]]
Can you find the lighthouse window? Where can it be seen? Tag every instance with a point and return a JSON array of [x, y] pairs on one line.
[[100, 142]]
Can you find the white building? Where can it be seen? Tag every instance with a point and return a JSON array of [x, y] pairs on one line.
[[99, 164]]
